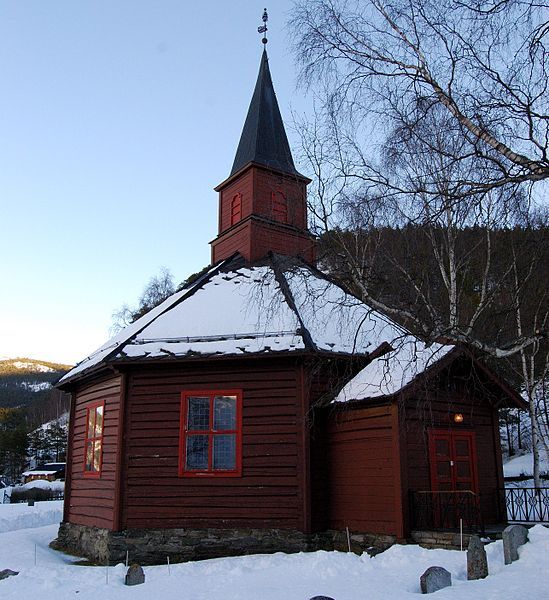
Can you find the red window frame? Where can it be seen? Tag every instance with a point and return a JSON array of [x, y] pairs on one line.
[[96, 439], [211, 433], [236, 208], [279, 206]]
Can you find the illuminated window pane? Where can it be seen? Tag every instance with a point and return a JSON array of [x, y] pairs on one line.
[[89, 456], [98, 421], [97, 456], [91, 424]]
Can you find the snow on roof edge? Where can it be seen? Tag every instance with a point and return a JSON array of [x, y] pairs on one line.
[[87, 364]]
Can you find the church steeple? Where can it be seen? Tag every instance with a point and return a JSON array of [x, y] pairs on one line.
[[263, 140], [262, 205]]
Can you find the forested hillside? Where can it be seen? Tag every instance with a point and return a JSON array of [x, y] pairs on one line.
[[25, 382]]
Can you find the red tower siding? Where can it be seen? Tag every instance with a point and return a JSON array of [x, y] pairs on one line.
[[266, 232], [91, 499]]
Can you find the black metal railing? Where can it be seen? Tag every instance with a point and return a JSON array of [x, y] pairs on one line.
[[526, 504], [446, 511]]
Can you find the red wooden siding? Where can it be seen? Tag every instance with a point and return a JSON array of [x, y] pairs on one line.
[[236, 240], [270, 491], [363, 491], [283, 240], [91, 500]]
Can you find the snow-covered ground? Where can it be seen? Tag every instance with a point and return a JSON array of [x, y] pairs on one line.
[[21, 516], [393, 574], [523, 465]]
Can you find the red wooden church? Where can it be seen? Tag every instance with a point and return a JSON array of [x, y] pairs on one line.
[[263, 408]]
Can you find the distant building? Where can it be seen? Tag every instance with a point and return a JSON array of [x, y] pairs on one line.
[[47, 472]]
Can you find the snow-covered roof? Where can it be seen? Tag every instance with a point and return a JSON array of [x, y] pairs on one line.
[[40, 472], [279, 306], [390, 373]]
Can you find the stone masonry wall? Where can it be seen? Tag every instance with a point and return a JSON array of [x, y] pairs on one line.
[[153, 546]]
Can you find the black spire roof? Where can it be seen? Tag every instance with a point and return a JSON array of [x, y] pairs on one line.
[[263, 138]]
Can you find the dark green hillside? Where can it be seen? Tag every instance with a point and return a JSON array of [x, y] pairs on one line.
[[25, 382]]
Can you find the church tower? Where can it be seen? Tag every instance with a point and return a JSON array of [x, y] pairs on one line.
[[263, 202]]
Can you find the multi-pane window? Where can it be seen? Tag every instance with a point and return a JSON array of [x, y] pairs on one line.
[[93, 447], [236, 209], [279, 206], [210, 433]]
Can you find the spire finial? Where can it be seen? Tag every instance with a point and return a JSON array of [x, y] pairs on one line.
[[263, 28]]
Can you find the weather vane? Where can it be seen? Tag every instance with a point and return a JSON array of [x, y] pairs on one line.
[[263, 28]]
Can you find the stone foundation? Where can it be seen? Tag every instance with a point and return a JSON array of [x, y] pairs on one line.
[[440, 539], [153, 546]]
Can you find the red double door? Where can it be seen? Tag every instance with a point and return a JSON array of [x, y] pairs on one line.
[[454, 487], [453, 461]]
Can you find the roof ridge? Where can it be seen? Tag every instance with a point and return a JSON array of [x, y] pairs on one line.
[[289, 297], [194, 287], [336, 282], [117, 347]]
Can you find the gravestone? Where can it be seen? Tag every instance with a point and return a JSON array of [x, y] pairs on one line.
[[513, 537], [135, 575], [321, 598], [434, 579], [477, 563], [8, 573]]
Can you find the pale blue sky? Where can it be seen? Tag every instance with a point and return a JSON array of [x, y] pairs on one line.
[[117, 118]]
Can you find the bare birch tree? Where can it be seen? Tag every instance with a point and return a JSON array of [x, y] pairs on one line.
[[430, 140]]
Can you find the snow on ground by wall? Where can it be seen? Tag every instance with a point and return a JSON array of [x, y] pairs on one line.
[[393, 574], [22, 516]]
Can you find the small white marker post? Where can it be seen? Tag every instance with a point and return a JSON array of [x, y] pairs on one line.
[[107, 574], [348, 539], [461, 534], [127, 558], [35, 555], [169, 573]]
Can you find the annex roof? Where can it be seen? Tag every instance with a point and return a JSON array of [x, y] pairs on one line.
[[389, 374], [281, 305]]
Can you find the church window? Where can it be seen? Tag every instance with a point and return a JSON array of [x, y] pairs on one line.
[[279, 206], [93, 446], [236, 209], [210, 437]]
